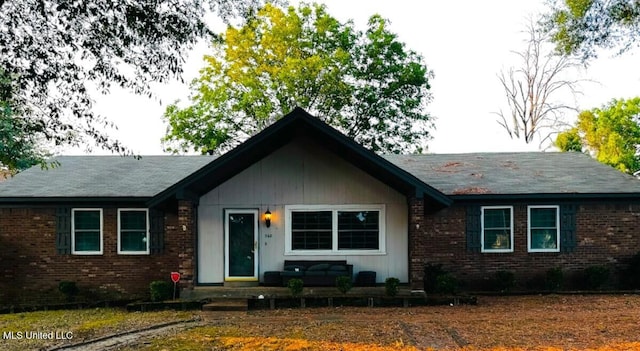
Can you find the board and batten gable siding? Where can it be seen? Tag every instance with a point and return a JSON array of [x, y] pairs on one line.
[[300, 173]]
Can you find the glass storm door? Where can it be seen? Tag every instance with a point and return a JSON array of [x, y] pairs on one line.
[[241, 245]]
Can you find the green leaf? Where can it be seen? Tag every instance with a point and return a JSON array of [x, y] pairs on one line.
[[364, 83]]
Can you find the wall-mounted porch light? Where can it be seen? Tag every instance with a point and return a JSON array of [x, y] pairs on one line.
[[267, 218]]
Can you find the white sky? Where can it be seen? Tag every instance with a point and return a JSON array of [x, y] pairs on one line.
[[465, 42]]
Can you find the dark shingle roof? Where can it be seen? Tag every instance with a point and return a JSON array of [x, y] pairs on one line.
[[516, 173], [452, 174], [103, 176]]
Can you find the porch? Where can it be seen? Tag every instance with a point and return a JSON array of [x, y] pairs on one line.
[[220, 298]]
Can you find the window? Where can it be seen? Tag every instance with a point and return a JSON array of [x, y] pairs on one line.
[[497, 229], [358, 230], [86, 231], [343, 229], [543, 229], [311, 230], [133, 231]]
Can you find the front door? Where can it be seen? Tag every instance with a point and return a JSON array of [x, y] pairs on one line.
[[241, 245]]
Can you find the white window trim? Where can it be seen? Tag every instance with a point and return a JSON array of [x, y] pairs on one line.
[[557, 208], [73, 232], [489, 250], [146, 252], [334, 209]]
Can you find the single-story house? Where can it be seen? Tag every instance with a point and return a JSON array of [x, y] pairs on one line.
[[300, 190]]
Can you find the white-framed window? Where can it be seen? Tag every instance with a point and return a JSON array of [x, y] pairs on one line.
[[334, 229], [86, 231], [133, 231], [543, 228], [497, 228]]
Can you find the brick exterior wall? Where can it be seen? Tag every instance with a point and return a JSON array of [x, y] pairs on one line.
[[607, 234], [418, 242], [31, 268]]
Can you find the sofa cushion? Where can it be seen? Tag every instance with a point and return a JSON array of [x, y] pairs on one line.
[[338, 273], [319, 267], [294, 268], [292, 274], [311, 273]]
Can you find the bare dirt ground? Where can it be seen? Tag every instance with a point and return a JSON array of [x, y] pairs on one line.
[[550, 322], [561, 321]]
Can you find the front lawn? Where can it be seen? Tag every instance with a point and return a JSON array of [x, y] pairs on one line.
[[553, 322], [79, 325], [541, 323]]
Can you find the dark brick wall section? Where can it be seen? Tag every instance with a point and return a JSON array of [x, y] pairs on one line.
[[607, 234], [31, 269], [418, 242]]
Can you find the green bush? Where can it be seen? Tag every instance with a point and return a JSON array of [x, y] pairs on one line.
[[596, 276], [69, 289], [504, 280], [631, 274], [391, 286], [161, 290], [295, 285], [431, 274], [446, 284], [344, 284], [554, 279]]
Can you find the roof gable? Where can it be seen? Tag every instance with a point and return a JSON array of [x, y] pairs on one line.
[[299, 123]]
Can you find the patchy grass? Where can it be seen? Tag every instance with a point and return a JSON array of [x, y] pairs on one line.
[[529, 323], [84, 324], [523, 323]]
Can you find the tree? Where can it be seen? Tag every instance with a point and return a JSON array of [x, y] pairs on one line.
[[18, 138], [532, 90], [366, 84], [611, 134], [579, 27], [57, 52]]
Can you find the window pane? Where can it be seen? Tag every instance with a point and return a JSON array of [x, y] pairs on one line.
[[311, 240], [311, 220], [86, 220], [133, 241], [136, 220], [311, 230], [358, 230], [544, 239], [497, 239], [497, 218], [87, 241], [543, 217]]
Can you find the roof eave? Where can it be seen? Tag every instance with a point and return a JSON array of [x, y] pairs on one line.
[[283, 131], [545, 196], [78, 200]]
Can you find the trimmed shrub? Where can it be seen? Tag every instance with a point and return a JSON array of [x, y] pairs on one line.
[[160, 290], [391, 286], [630, 276], [504, 280], [554, 279], [596, 276], [446, 284], [69, 289], [295, 285], [431, 274], [343, 284]]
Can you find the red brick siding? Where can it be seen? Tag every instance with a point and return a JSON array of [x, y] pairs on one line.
[[606, 235], [31, 268], [418, 242]]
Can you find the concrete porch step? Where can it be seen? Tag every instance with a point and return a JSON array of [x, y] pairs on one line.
[[226, 305]]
